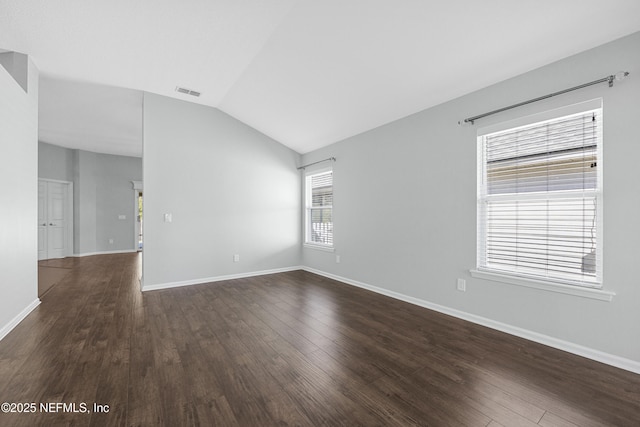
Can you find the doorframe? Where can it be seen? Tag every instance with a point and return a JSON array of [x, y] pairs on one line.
[[69, 208]]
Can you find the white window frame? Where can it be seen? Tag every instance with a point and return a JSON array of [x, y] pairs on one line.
[[308, 205], [594, 290]]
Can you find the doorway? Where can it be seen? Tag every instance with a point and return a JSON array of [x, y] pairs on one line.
[[55, 219], [55, 232], [139, 228]]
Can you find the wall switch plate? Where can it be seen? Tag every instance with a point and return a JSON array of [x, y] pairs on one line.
[[111, 241], [236, 258], [338, 259], [168, 217], [122, 217], [462, 285]]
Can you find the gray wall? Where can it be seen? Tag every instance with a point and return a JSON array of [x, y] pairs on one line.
[[84, 203], [55, 162], [405, 206], [102, 191], [18, 209], [230, 189], [114, 197]]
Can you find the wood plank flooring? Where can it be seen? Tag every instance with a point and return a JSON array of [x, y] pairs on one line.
[[51, 271], [284, 349]]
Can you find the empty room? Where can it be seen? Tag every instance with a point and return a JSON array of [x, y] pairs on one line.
[[338, 213]]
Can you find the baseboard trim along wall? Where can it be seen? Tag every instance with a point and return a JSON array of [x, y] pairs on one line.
[[589, 353], [124, 251], [169, 285], [19, 318]]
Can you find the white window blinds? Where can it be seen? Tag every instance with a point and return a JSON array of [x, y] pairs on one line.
[[319, 197], [539, 200]]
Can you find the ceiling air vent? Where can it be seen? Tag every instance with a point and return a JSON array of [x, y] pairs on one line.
[[187, 91]]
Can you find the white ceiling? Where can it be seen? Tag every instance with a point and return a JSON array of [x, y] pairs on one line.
[[305, 72], [91, 117]]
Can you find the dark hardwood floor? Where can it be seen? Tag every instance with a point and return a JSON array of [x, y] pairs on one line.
[[51, 271], [284, 349]]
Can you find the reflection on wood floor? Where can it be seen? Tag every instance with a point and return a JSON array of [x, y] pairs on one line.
[[52, 271], [285, 349]]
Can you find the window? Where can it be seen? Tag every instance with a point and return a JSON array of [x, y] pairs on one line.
[[319, 208], [540, 200]]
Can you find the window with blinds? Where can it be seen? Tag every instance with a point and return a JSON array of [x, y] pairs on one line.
[[539, 200], [319, 208]]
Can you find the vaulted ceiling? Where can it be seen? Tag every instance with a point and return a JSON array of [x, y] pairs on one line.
[[304, 72]]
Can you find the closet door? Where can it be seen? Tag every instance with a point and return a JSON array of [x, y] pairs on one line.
[[56, 220], [42, 220], [53, 219]]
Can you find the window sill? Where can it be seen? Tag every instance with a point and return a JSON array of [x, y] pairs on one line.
[[545, 285], [319, 247]]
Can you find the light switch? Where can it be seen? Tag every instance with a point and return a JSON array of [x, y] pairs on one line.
[[168, 217], [122, 217]]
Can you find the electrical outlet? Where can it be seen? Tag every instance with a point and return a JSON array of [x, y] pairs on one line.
[[236, 258], [111, 241], [168, 217], [462, 285]]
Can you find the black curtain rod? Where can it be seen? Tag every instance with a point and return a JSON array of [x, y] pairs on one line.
[[319, 161], [610, 79]]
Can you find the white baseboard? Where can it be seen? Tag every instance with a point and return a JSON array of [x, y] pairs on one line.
[[146, 288], [589, 353], [19, 318], [123, 251]]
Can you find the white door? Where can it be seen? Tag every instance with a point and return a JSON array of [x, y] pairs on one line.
[[53, 219], [42, 220], [57, 220]]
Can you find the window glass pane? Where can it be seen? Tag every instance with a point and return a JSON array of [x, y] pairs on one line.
[[553, 136], [552, 172], [322, 196], [319, 208], [321, 226], [552, 238], [539, 197]]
